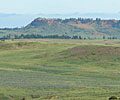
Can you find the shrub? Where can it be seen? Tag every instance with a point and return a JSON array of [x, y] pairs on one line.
[[113, 98], [3, 97], [35, 96], [93, 53], [23, 99]]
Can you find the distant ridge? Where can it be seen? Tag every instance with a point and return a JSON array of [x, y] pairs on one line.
[[85, 27]]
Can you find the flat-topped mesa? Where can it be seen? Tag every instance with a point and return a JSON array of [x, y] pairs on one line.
[[75, 21], [72, 26]]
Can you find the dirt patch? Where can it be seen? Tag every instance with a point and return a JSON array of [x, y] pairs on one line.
[[41, 55], [54, 97], [80, 25]]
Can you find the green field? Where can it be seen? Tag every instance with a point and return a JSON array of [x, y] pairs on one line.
[[51, 69]]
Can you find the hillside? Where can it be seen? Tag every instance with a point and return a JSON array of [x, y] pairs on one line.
[[70, 27], [74, 26]]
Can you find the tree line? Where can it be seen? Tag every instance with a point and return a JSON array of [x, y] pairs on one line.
[[38, 36]]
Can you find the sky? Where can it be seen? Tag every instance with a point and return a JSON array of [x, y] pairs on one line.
[[59, 6]]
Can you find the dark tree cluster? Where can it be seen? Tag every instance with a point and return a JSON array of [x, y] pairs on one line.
[[37, 36], [110, 37], [82, 20]]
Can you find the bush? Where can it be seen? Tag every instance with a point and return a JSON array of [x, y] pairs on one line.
[[113, 98], [93, 53], [23, 99], [3, 97], [35, 96]]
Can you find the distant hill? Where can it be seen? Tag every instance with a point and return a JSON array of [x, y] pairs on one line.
[[73, 26]]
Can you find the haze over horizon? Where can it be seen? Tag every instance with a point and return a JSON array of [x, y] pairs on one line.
[[61, 6]]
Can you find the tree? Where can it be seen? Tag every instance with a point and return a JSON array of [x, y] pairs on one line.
[[12, 37], [98, 21], [103, 37]]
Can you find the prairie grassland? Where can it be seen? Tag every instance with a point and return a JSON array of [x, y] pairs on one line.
[[60, 69]]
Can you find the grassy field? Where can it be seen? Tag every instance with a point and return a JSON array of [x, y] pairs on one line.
[[52, 69]]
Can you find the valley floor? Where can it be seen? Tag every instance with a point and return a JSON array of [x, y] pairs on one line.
[[55, 69]]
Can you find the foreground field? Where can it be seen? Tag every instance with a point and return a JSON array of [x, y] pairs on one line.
[[59, 69]]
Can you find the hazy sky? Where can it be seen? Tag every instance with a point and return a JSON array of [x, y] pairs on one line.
[[59, 6]]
